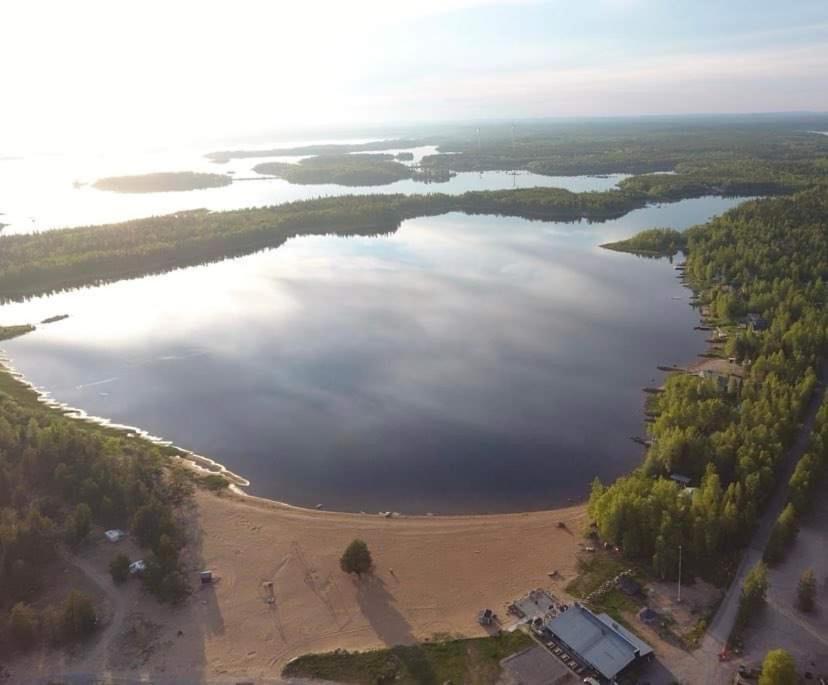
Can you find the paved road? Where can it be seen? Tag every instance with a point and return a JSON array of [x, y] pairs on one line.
[[711, 671]]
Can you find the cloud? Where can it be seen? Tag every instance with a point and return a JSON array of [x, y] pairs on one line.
[[624, 85]]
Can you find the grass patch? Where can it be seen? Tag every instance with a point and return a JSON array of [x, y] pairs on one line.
[[474, 661], [595, 571], [214, 483]]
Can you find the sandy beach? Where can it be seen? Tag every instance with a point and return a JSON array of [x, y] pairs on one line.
[[433, 574]]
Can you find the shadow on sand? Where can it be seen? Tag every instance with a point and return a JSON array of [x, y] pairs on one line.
[[377, 605]]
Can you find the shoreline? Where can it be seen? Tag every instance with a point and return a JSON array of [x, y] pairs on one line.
[[208, 466]]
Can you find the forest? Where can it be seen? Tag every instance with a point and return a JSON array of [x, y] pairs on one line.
[[59, 477], [768, 257], [51, 260], [678, 144], [162, 182]]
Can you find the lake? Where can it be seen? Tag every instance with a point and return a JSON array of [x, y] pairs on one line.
[[39, 192], [460, 364]]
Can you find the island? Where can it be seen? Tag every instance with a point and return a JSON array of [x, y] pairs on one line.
[[162, 182], [654, 242], [344, 170], [224, 156]]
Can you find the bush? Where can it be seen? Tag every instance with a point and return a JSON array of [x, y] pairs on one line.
[[356, 559], [806, 592], [215, 483], [119, 568], [23, 624]]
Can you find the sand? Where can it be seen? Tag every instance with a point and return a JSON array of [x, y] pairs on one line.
[[432, 576]]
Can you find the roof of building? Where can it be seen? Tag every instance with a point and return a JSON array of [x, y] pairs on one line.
[[680, 479], [537, 603], [719, 367], [629, 586], [647, 614], [598, 639], [535, 666]]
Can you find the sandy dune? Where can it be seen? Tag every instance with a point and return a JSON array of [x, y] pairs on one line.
[[432, 576]]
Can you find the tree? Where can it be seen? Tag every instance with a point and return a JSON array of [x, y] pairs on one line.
[[149, 523], [79, 617], [782, 535], [806, 592], [778, 668], [23, 624], [356, 559], [167, 583], [119, 568], [80, 523], [753, 594]]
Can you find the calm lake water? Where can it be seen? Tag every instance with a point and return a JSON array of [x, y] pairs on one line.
[[38, 193], [459, 364]]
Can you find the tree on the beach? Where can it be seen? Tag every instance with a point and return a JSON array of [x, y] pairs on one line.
[[806, 592], [778, 668], [357, 558]]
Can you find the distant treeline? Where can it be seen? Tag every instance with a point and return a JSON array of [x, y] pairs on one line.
[[324, 149], [53, 260], [733, 148], [162, 182]]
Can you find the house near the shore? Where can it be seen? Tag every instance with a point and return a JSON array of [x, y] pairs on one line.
[[598, 641], [756, 322], [681, 479], [725, 373], [115, 535], [137, 568]]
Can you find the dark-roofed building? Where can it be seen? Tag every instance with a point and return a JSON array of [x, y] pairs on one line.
[[535, 666], [756, 322], [599, 641], [629, 586]]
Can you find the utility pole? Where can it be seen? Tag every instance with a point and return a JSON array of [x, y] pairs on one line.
[[678, 598]]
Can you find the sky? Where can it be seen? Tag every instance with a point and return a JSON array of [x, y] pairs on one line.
[[104, 71]]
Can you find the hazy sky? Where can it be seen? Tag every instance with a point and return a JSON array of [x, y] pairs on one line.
[[87, 70]]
